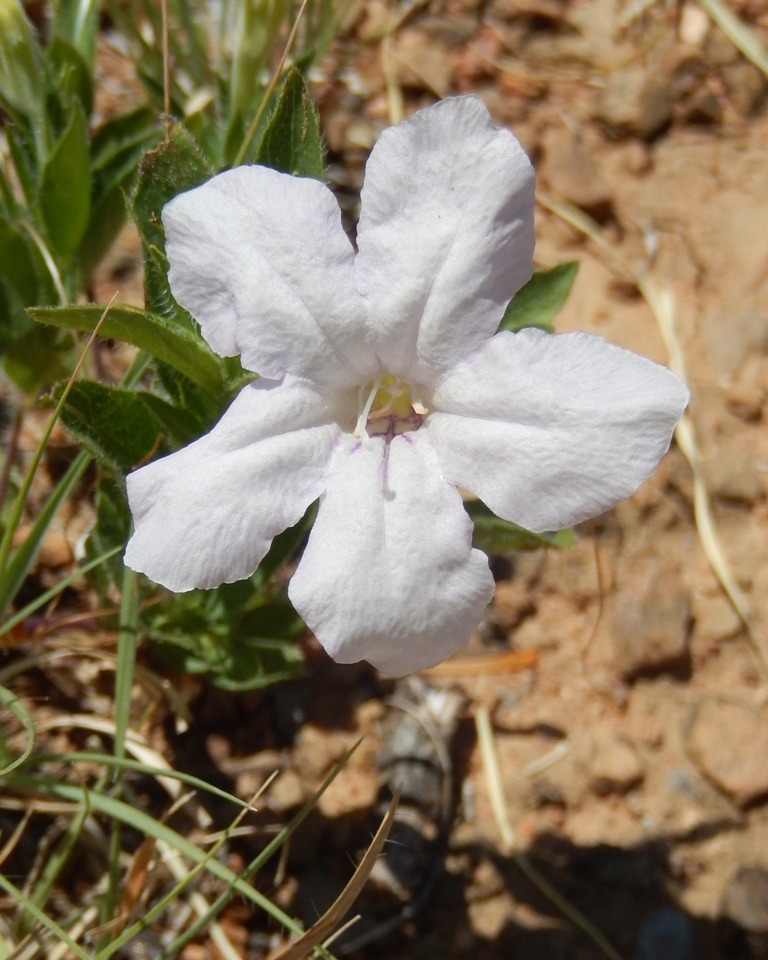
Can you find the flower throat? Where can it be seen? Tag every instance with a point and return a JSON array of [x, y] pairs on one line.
[[388, 407]]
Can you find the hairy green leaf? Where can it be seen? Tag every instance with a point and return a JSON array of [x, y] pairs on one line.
[[114, 424], [76, 22], [22, 79], [162, 339], [71, 76], [65, 186], [537, 303], [111, 530], [291, 141]]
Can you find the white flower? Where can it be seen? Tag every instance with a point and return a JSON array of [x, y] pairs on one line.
[[383, 386]]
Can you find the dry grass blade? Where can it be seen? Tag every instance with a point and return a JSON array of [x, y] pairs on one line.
[[477, 664], [741, 36], [492, 773], [661, 303], [304, 946], [10, 843]]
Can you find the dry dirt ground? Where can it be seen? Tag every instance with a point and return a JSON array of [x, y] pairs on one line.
[[634, 757]]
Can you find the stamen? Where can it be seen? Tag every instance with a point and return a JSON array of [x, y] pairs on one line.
[[363, 416]]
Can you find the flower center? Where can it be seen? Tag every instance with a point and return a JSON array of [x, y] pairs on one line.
[[388, 407]]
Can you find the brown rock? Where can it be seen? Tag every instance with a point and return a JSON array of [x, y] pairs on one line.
[[714, 617], [55, 550], [615, 766], [746, 899], [733, 475], [635, 101], [729, 742], [747, 87], [571, 173], [650, 620], [512, 603], [745, 401], [288, 791]]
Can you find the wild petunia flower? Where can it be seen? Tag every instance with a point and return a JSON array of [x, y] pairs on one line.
[[383, 385]]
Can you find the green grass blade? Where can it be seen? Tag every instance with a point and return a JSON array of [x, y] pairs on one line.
[[14, 570], [223, 899], [37, 913], [126, 658], [176, 891], [46, 597], [124, 763], [52, 868], [9, 700], [147, 825]]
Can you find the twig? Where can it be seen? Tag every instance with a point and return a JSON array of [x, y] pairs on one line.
[[166, 59], [661, 303], [304, 946], [492, 773], [270, 89]]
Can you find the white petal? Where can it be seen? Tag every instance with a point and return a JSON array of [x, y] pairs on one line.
[[445, 237], [207, 514], [550, 429], [389, 574], [261, 261]]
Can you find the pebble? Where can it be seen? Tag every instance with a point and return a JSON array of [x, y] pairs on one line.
[[666, 934], [745, 401], [650, 621], [635, 101], [615, 766], [746, 899], [733, 475], [571, 174], [729, 742]]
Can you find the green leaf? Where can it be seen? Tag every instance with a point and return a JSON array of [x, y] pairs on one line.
[[76, 22], [536, 304], [112, 423], [171, 168], [291, 141], [495, 535], [38, 357], [22, 79], [111, 530], [71, 76], [17, 262], [162, 339], [65, 186]]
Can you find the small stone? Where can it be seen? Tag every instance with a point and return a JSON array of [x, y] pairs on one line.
[[571, 174], [666, 934], [747, 87], [714, 617], [694, 24], [729, 742], [635, 101], [650, 621], [512, 603], [746, 899], [745, 401], [733, 476], [615, 766], [287, 791], [55, 550]]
